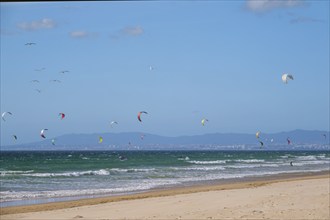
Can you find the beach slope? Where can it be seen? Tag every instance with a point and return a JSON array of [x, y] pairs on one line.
[[297, 198]]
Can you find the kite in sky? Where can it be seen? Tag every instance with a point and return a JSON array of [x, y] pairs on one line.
[[139, 115], [62, 115], [112, 123], [30, 44], [286, 77], [204, 120], [3, 115], [288, 140], [42, 133]]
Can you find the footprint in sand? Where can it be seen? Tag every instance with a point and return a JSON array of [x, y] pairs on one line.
[[78, 216]]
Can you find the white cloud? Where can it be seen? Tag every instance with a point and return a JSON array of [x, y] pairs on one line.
[[268, 5], [127, 31], [82, 34], [133, 31], [44, 23], [78, 34]]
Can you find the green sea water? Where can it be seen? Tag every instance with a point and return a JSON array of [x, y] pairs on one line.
[[39, 176]]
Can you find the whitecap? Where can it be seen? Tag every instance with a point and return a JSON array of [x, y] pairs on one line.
[[14, 172], [207, 162], [250, 161], [101, 172]]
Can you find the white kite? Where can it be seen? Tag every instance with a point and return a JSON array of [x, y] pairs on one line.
[[42, 133], [204, 120], [112, 123], [286, 77], [3, 115]]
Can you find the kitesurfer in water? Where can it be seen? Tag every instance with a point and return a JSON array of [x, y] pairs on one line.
[[122, 158]]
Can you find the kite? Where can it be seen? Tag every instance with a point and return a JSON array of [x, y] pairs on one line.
[[30, 43], [113, 122], [261, 144], [53, 141], [286, 77], [62, 115], [100, 140], [122, 158], [3, 115], [42, 133], [139, 115], [257, 134], [288, 140], [203, 121], [15, 137]]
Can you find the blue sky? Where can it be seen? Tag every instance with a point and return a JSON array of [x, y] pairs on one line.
[[220, 60]]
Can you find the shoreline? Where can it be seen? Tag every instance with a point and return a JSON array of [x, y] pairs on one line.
[[41, 201], [218, 185]]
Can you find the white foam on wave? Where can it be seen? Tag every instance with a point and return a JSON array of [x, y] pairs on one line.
[[131, 170], [7, 196], [322, 156], [207, 162], [206, 168], [219, 176], [101, 172], [250, 161], [310, 157], [14, 172], [287, 156], [251, 166], [304, 163], [186, 158]]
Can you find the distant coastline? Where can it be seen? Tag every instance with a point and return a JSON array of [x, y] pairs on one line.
[[301, 139]]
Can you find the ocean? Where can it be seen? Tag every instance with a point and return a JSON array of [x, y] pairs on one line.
[[33, 177]]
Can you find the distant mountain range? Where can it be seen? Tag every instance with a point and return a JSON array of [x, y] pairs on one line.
[[299, 139]]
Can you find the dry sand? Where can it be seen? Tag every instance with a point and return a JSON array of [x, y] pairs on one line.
[[294, 198]]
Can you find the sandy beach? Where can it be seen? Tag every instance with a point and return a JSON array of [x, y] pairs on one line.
[[306, 197]]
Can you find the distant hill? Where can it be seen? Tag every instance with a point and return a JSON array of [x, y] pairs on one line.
[[300, 139]]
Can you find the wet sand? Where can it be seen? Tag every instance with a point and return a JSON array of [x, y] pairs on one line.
[[300, 196]]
